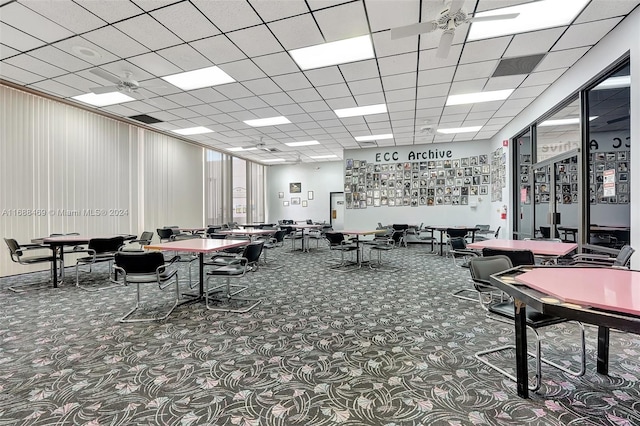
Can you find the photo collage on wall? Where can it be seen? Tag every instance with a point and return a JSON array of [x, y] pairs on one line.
[[498, 173], [414, 184], [601, 161]]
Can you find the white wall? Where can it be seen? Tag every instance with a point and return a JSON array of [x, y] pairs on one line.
[[59, 161], [362, 219], [321, 178], [622, 39]]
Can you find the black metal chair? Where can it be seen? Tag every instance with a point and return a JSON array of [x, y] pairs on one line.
[[187, 257], [481, 268], [457, 247], [270, 243], [622, 260], [379, 248], [165, 234], [233, 268], [139, 243], [146, 268], [337, 242], [99, 250], [18, 255], [399, 235], [516, 257]]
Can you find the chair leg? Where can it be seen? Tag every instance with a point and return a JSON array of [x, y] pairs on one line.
[[378, 265], [126, 318], [228, 298], [93, 290]]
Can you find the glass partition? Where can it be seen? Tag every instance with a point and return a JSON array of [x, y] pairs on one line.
[[526, 188]]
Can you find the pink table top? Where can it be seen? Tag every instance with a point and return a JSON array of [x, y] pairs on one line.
[[445, 227], [547, 248], [72, 239], [615, 290], [248, 231], [197, 245], [375, 231], [305, 226]]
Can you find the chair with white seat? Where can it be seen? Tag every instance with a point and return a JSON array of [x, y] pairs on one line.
[[18, 255], [141, 267]]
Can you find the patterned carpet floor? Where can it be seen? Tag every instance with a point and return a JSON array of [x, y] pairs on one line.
[[323, 348]]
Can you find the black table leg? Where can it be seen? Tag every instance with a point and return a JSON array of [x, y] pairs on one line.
[[201, 278], [603, 350], [54, 249], [522, 373]]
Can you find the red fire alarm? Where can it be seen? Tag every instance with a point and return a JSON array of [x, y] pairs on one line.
[[505, 142]]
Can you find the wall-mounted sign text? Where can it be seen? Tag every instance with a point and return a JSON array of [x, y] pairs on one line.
[[431, 154]]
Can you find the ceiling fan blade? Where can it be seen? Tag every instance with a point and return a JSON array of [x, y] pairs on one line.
[[493, 17], [106, 75], [445, 44], [619, 119], [413, 29], [104, 89], [135, 95], [455, 6]]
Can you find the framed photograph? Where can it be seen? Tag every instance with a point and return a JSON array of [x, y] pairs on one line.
[[295, 187], [285, 203], [280, 194], [310, 195], [304, 203], [295, 201]]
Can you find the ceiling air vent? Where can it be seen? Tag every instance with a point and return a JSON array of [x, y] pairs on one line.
[[517, 66], [144, 118], [368, 144]]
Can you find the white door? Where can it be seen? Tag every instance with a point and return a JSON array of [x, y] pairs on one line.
[[337, 210]]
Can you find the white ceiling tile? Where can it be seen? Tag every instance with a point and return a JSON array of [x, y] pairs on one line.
[[433, 90], [234, 90], [184, 99], [18, 39], [292, 81], [384, 46], [475, 70], [288, 110], [252, 102], [243, 115], [228, 15], [544, 77], [390, 14], [154, 4], [482, 50], [164, 116], [304, 95], [66, 13], [391, 65], [155, 64], [505, 82], [223, 118], [402, 118], [142, 107], [261, 86], [164, 104], [27, 62], [120, 109], [321, 4], [208, 95], [115, 41], [149, 32], [436, 76], [360, 70], [399, 81], [401, 106], [486, 106], [533, 42], [371, 85], [185, 57], [276, 64], [339, 103], [400, 95], [112, 10], [185, 113], [255, 41], [185, 21], [325, 76], [218, 49], [204, 109], [6, 51], [341, 22], [315, 106], [561, 59], [436, 102], [370, 98], [334, 91], [528, 92], [73, 44], [468, 86], [300, 31], [585, 34], [270, 10], [242, 70], [228, 106], [55, 88], [59, 58], [482, 115], [606, 9], [427, 59], [457, 109], [32, 23], [276, 99]]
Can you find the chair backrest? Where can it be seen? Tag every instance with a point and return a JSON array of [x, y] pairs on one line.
[[164, 233], [279, 235], [481, 268], [624, 256], [398, 235], [455, 232], [216, 236], [106, 245], [180, 237], [139, 262], [14, 248], [252, 251], [545, 231], [400, 226], [309, 222], [457, 243], [497, 234], [517, 257], [380, 226], [483, 228], [146, 237], [334, 238]]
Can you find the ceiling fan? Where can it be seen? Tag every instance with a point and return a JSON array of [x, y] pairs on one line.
[[126, 85], [451, 17]]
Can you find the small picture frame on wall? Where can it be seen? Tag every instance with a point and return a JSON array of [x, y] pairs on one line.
[[310, 195], [304, 203], [295, 201], [295, 187], [280, 194], [285, 203]]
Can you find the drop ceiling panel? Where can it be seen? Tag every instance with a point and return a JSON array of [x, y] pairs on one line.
[[149, 32], [534, 42], [59, 58], [292, 81], [297, 32], [384, 46], [115, 41], [475, 70], [433, 90], [324, 76], [185, 57], [384, 15], [27, 62], [32, 23], [66, 13], [261, 86], [242, 70], [401, 95], [271, 10], [276, 99], [73, 80], [585, 34], [228, 15], [344, 21], [255, 41], [561, 59], [252, 103], [6, 51], [76, 45], [528, 92], [399, 81], [112, 11], [184, 99], [482, 50], [428, 60], [435, 76], [544, 77], [276, 64], [371, 85], [155, 64], [184, 20], [596, 10], [18, 39], [55, 88], [360, 70], [153, 4], [391, 65], [339, 103], [234, 91], [506, 82], [370, 98]]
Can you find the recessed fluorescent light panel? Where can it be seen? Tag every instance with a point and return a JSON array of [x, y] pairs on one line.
[[374, 137], [302, 143], [472, 129], [196, 79], [239, 148], [318, 157], [532, 16], [563, 121], [104, 99], [273, 160], [363, 110], [271, 121], [474, 98], [334, 53], [193, 131]]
